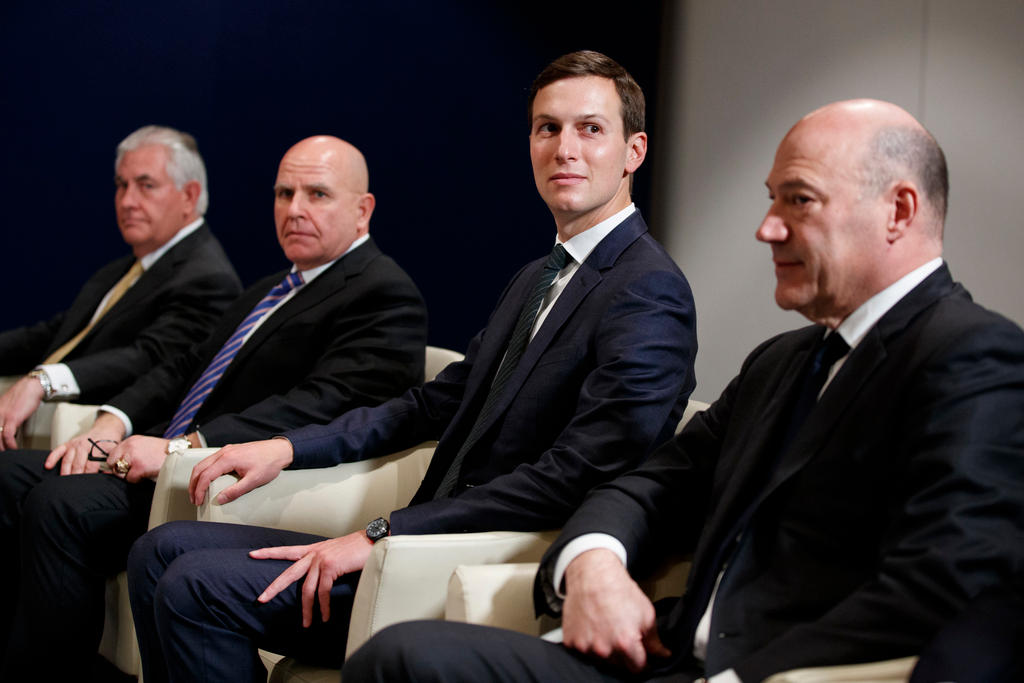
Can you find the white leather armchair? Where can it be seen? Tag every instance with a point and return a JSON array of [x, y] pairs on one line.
[[273, 505]]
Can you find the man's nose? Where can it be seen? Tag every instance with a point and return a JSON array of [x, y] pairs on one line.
[[127, 196], [296, 206], [568, 145], [772, 229]]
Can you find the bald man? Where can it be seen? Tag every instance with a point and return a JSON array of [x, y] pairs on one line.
[[344, 327], [854, 486]]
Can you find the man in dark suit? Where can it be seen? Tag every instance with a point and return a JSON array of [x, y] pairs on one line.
[[138, 310], [525, 427], [840, 505], [349, 332]]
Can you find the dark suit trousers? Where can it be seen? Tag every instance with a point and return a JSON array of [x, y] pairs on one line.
[[429, 651], [65, 536], [193, 591]]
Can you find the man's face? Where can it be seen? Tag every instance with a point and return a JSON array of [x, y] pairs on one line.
[[150, 209], [824, 234], [580, 159], [318, 216]]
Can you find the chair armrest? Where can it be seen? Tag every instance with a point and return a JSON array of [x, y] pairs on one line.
[[170, 497], [502, 594], [496, 595], [406, 577], [330, 501], [69, 420], [889, 671]]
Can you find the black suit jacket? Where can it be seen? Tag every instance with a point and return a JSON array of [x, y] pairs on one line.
[[354, 336], [172, 304], [601, 383], [901, 496]]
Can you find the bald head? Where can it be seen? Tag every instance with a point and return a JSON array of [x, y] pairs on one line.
[[887, 145], [341, 156], [321, 200], [858, 194]]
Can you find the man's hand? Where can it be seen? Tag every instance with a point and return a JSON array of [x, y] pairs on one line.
[[256, 462], [606, 614], [73, 455], [144, 454], [16, 405], [321, 563]]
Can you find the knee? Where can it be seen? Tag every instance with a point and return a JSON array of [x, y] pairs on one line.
[[402, 652], [150, 556], [48, 509]]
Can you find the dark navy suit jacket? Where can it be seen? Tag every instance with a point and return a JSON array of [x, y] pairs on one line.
[[901, 496], [603, 381]]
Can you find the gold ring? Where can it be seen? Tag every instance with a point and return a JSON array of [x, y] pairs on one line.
[[122, 466]]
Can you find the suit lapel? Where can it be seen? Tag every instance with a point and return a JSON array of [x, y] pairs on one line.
[[860, 366], [325, 285], [92, 295], [150, 280], [586, 278]]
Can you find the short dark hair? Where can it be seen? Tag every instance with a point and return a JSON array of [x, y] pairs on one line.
[[591, 63], [913, 150]]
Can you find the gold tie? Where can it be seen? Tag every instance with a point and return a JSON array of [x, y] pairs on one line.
[[116, 293]]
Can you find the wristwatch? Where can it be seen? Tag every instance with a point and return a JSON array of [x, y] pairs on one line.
[[378, 529], [44, 379], [179, 445]]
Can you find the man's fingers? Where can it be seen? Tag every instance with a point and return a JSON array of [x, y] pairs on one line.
[[280, 552], [9, 434], [55, 455], [200, 485], [285, 579], [324, 593], [653, 644], [242, 486], [309, 587]]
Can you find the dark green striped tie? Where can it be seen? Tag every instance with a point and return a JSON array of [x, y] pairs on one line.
[[516, 345]]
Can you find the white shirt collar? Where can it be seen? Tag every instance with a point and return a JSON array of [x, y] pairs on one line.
[[149, 259], [580, 246], [856, 325]]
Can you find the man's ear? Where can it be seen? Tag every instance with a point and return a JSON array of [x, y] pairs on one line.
[[366, 204], [904, 208], [192, 192], [636, 151]]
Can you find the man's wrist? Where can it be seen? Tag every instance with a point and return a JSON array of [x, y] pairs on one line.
[[288, 453], [44, 382], [577, 547], [62, 381]]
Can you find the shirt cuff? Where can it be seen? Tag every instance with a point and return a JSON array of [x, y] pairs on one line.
[[201, 438], [727, 676], [577, 547], [62, 380], [119, 414]]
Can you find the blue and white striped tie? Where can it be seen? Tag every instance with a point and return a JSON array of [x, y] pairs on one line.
[[208, 380]]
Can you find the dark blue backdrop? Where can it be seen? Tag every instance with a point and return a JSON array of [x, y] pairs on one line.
[[434, 93]]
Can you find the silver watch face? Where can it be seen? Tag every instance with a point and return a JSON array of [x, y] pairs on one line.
[[178, 445]]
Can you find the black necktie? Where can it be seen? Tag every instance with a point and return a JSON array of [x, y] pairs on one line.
[[826, 352], [516, 345]]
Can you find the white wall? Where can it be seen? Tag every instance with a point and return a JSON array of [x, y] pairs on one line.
[[738, 74]]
